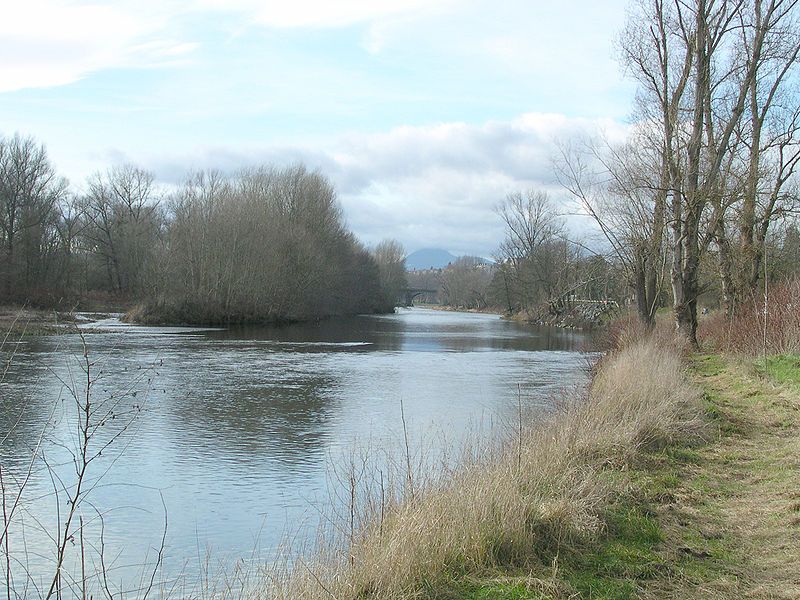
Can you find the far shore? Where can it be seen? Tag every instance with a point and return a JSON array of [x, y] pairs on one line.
[[445, 308]]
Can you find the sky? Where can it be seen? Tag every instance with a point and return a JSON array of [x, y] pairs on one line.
[[424, 114]]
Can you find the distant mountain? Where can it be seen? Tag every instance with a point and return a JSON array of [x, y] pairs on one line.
[[429, 258]]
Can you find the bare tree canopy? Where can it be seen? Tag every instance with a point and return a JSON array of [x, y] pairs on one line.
[[539, 269], [263, 244], [718, 102]]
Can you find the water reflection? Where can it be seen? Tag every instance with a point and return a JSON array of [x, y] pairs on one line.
[[262, 409]]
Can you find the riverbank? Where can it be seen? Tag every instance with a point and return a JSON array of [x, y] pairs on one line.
[[585, 315], [187, 314], [533, 517], [713, 519], [678, 477], [576, 318], [478, 311], [17, 321]]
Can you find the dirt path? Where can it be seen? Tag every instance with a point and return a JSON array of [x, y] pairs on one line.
[[732, 521]]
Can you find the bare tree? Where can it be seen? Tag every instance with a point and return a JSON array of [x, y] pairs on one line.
[[620, 188], [695, 82], [766, 147], [533, 228], [30, 191], [391, 258], [122, 207]]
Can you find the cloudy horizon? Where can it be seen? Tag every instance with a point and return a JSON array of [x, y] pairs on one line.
[[424, 115]]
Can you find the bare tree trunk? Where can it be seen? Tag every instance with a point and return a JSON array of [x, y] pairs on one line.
[[726, 270], [641, 284]]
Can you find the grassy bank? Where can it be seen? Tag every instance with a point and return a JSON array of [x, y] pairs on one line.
[[187, 313], [678, 477], [713, 517], [488, 310], [17, 322]]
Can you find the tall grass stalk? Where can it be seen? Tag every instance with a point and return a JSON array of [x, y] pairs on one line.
[[75, 567]]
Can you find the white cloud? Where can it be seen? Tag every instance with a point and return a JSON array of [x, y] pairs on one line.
[[46, 43], [439, 185], [395, 61], [435, 185], [323, 13]]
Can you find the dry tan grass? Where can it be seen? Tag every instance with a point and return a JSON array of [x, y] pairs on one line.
[[537, 492]]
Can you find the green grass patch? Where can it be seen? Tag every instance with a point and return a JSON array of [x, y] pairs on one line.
[[782, 369], [718, 413], [708, 365], [624, 555], [499, 591], [610, 567], [682, 455]]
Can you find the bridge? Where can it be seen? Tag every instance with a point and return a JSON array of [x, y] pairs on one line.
[[410, 294]]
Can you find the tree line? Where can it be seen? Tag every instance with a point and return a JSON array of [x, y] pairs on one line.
[[537, 271], [263, 244], [699, 203]]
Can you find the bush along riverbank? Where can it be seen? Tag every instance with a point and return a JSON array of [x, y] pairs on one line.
[[676, 476]]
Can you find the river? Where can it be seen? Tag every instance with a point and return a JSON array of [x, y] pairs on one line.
[[238, 430]]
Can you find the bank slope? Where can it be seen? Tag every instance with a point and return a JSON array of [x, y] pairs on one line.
[[718, 519]]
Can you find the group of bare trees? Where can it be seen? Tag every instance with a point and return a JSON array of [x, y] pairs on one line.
[[538, 270], [30, 198], [57, 243], [122, 224], [539, 266], [467, 283], [263, 244], [710, 168]]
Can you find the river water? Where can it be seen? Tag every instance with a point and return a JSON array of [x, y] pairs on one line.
[[239, 430]]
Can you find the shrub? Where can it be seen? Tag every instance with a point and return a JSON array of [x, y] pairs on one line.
[[744, 331]]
